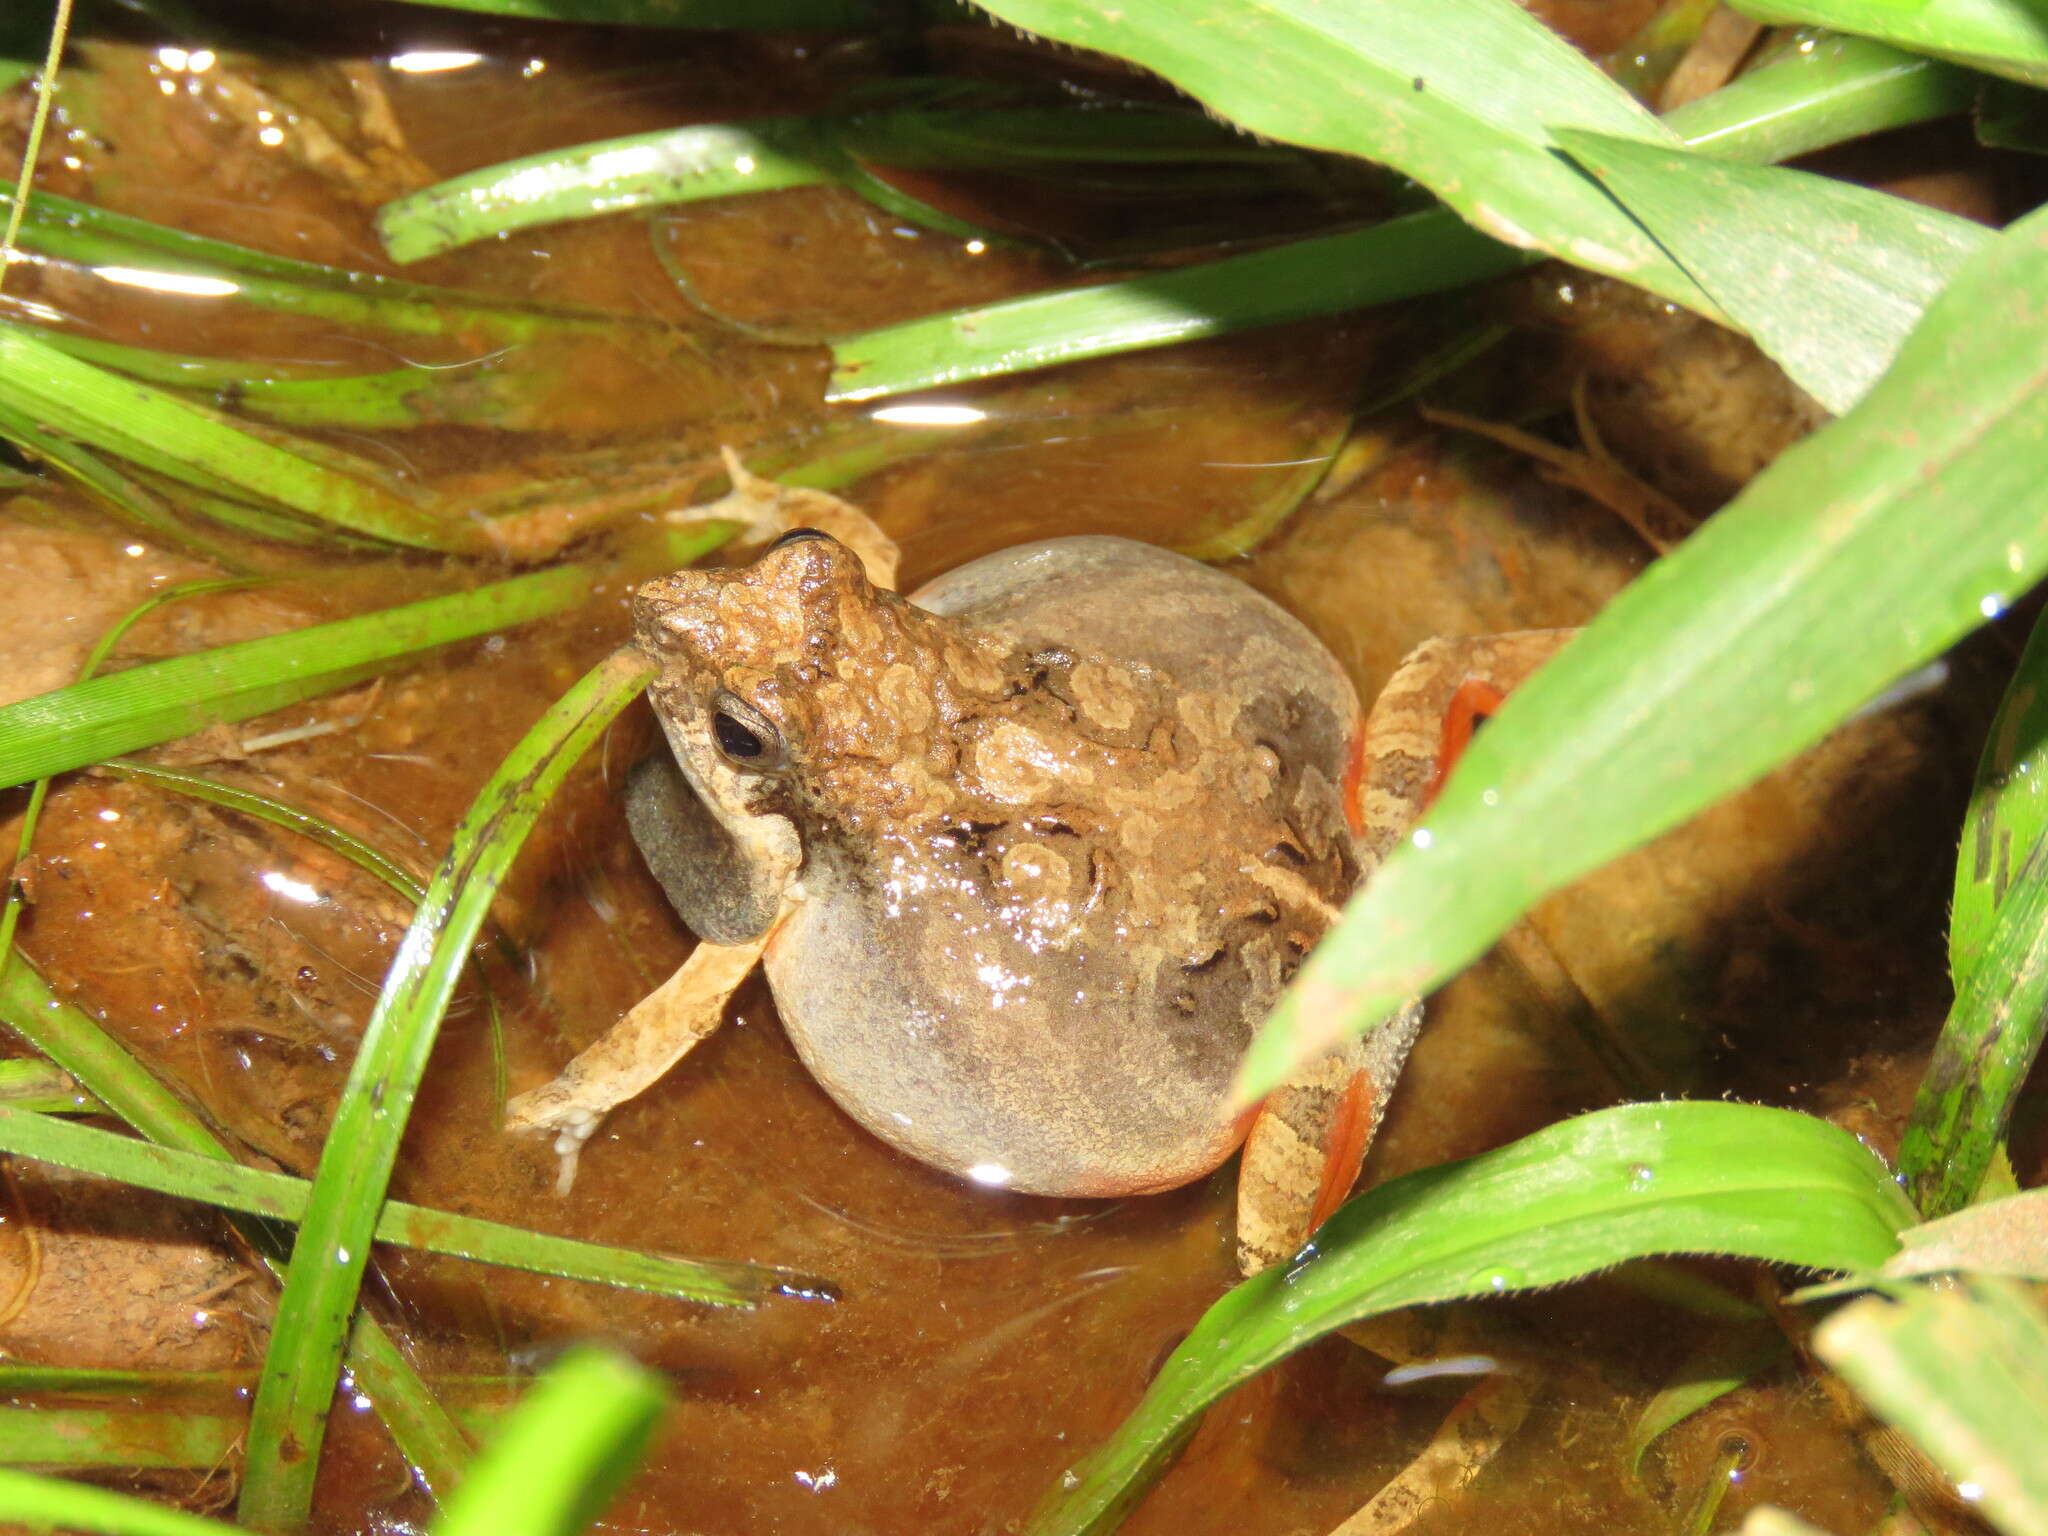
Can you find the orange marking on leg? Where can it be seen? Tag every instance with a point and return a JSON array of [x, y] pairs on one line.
[[1475, 701], [1350, 1130]]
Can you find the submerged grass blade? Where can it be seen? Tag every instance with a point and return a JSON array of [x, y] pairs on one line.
[[425, 1434], [1959, 1370], [299, 1371], [165, 434], [2003, 37], [92, 238], [158, 701], [1826, 276], [258, 1193], [45, 1089], [563, 1452], [1797, 103], [115, 1438], [1860, 553], [1579, 1197], [52, 1503]]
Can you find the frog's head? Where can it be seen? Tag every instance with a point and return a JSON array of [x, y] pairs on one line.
[[794, 685]]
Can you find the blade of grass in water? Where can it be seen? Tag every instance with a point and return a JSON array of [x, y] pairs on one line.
[[281, 1197], [115, 1438], [426, 1436], [163, 433], [95, 238], [1582, 1196], [89, 722], [319, 1298], [563, 1453], [1799, 102], [45, 1089], [1998, 956], [1860, 553], [53, 1503], [1959, 1370], [2003, 37], [1828, 277]]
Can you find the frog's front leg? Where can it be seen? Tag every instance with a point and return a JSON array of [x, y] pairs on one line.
[[1310, 1136]]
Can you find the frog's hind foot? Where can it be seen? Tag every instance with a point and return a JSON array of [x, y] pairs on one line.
[[1309, 1139], [1470, 1435], [766, 510]]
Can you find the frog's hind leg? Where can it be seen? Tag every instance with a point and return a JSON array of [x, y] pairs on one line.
[[656, 1033], [765, 510]]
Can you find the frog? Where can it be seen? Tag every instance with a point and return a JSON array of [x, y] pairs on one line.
[[1027, 855]]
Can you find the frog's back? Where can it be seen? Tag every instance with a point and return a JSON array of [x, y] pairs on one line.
[[1068, 977]]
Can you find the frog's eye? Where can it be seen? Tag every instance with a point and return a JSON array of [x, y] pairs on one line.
[[746, 736], [798, 535]]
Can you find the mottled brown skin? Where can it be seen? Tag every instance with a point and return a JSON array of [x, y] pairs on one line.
[[1055, 834]]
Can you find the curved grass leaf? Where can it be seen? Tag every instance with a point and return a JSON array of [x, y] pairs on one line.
[[52, 1503], [255, 1192], [1828, 277], [1462, 95], [747, 15], [1859, 554], [1998, 955], [288, 1420], [1723, 1361], [159, 701], [1959, 1370], [2004, 37], [563, 1453], [90, 237], [425, 1433], [1800, 101], [1998, 1237], [1581, 1196]]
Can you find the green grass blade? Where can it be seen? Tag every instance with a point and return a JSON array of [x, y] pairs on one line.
[[1723, 1361], [93, 238], [1402, 258], [1828, 277], [1462, 95], [1998, 954], [158, 701], [640, 170], [289, 1417], [1860, 553], [1578, 1197], [1799, 102], [45, 1089], [1960, 1371], [164, 433], [2010, 116], [2004, 37], [748, 15], [50, 1503], [424, 1432], [1827, 90], [563, 1453], [109, 1438], [255, 1192]]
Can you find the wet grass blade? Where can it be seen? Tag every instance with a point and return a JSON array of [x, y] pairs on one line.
[[45, 1089], [1462, 95], [1723, 1361], [1960, 1371], [52, 1503], [1998, 954], [289, 1418], [425, 1434], [563, 1453], [1860, 553], [95, 239], [637, 171], [1826, 276], [159, 701], [1579, 1197], [161, 432], [745, 15], [255, 1192], [2003, 37], [1799, 102], [115, 1438]]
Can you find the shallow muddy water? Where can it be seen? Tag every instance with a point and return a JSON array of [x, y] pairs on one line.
[[1783, 948]]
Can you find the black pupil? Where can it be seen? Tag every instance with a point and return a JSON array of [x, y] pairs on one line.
[[734, 739]]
